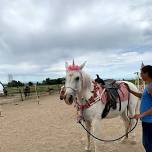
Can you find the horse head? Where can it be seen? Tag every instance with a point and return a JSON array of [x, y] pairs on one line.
[[74, 81]]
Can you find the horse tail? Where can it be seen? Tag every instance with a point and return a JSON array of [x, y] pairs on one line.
[[137, 107], [133, 87]]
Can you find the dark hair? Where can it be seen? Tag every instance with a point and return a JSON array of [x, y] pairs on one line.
[[147, 69]]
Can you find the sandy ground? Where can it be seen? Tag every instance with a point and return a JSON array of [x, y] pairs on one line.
[[51, 127]]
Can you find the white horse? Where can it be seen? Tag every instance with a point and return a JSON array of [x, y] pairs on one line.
[[79, 84]]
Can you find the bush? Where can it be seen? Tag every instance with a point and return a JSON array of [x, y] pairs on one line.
[[30, 83], [15, 83], [49, 81]]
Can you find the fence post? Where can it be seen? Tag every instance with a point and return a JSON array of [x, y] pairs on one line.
[[20, 93], [37, 96]]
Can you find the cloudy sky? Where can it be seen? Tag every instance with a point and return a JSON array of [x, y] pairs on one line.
[[37, 37]]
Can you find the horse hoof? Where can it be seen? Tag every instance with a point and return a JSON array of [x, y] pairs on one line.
[[133, 142], [82, 140], [87, 149], [124, 141]]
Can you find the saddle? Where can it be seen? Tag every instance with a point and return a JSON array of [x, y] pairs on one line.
[[99, 80], [112, 95], [112, 89]]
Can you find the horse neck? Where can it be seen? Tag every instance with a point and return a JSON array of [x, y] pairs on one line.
[[87, 87]]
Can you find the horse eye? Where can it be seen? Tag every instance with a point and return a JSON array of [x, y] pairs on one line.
[[77, 78]]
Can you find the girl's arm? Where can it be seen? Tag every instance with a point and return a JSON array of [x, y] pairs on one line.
[[137, 94], [148, 112], [138, 116]]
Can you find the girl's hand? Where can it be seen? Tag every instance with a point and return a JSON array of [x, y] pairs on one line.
[[137, 116]]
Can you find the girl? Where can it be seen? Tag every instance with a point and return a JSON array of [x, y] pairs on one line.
[[146, 108]]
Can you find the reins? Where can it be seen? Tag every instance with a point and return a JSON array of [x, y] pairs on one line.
[[108, 140]]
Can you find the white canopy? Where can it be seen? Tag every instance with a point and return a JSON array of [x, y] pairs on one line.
[[1, 88]]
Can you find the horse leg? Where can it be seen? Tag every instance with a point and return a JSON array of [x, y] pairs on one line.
[[97, 132], [126, 123], [132, 111], [88, 127]]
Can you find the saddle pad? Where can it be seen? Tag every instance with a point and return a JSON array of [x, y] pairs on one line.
[[122, 91]]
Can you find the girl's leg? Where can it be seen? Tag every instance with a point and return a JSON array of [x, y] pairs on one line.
[[147, 136]]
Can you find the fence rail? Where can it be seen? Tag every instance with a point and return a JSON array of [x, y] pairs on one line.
[[17, 94]]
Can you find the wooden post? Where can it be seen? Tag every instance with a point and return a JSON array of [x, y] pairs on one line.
[[143, 82], [37, 96], [20, 93], [138, 79]]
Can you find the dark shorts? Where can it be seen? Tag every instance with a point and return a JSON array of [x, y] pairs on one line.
[[147, 136]]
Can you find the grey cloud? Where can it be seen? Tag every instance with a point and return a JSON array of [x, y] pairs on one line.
[[50, 31]]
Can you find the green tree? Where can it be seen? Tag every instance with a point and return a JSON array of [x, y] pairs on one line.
[[15, 83], [30, 83]]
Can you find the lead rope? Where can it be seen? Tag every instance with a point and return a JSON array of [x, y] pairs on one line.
[[109, 140]]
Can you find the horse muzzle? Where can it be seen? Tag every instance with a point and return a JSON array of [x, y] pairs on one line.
[[61, 97], [69, 99]]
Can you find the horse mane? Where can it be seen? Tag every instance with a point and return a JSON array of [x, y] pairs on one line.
[[86, 80]]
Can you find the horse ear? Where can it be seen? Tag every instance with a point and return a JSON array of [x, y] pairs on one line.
[[66, 65], [73, 62], [142, 65], [82, 65]]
